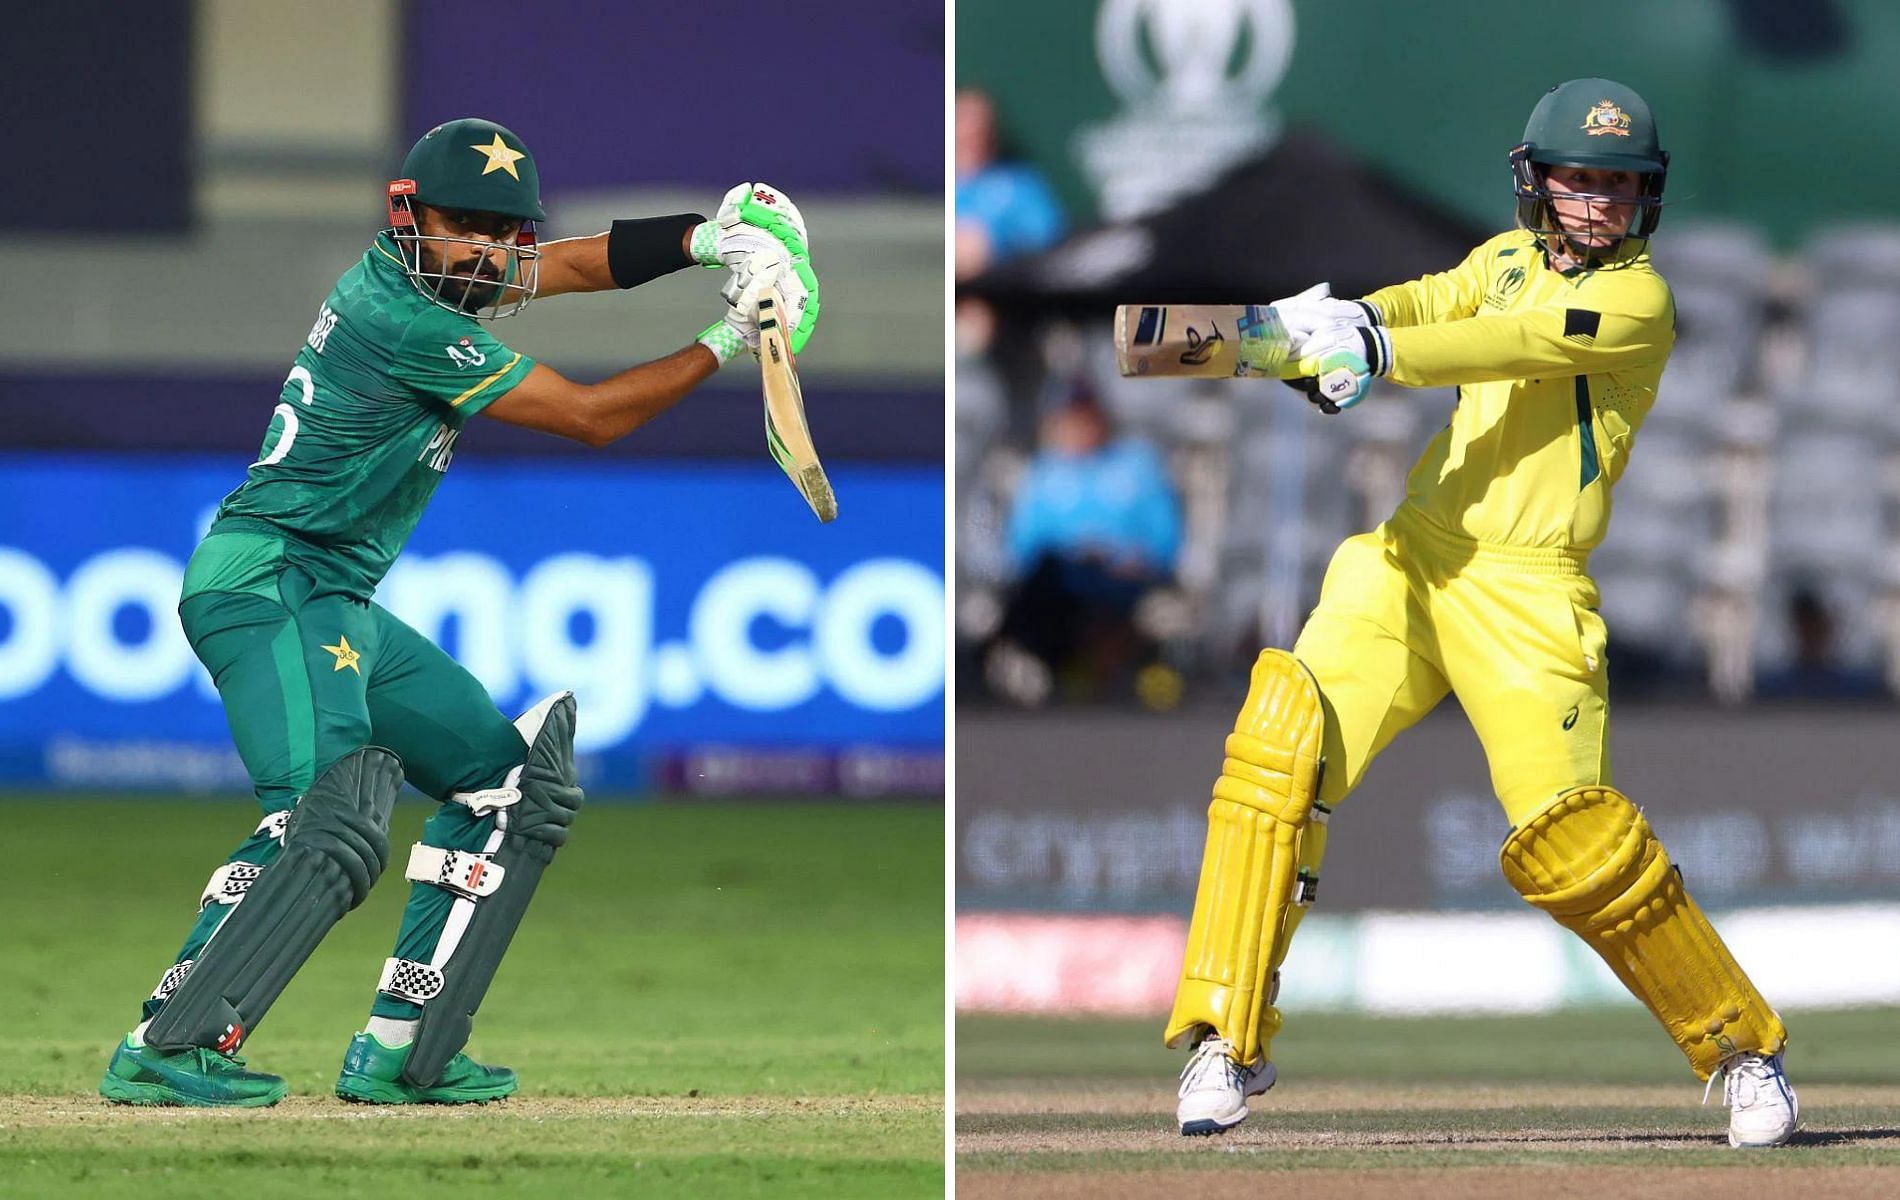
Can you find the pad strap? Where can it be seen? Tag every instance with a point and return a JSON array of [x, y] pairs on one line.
[[460, 871], [487, 800], [409, 980], [174, 975], [229, 883]]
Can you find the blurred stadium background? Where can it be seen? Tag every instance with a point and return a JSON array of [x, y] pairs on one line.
[[191, 178], [1115, 151]]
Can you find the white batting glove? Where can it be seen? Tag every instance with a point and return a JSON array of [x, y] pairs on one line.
[[1335, 365], [752, 217], [1368, 341], [758, 219], [1315, 308], [739, 329], [800, 296]]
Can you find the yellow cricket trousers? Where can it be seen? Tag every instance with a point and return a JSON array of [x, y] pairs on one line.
[[1412, 611]]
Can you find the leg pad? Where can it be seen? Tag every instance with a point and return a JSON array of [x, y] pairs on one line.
[[493, 888], [1265, 835], [1590, 860], [335, 846]]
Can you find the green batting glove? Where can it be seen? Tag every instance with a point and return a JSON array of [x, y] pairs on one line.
[[749, 213], [800, 289], [756, 217]]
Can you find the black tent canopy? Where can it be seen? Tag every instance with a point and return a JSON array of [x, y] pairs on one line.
[[1302, 212]]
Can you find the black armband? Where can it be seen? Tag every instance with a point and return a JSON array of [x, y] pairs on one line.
[[648, 248]]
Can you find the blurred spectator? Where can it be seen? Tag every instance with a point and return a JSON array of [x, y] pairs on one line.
[[1094, 526], [1816, 672], [1004, 209]]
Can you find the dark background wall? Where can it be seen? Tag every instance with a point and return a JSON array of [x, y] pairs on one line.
[[97, 102]]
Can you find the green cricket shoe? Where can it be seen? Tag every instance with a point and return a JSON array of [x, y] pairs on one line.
[[372, 1074], [196, 1078]]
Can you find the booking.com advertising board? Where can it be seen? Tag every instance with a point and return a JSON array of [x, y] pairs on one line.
[[692, 608]]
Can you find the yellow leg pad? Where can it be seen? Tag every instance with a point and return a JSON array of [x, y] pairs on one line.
[[1265, 834], [1590, 860]]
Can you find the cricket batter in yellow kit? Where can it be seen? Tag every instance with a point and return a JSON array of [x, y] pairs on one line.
[[1555, 335]]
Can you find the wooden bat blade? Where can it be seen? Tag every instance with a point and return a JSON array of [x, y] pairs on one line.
[[786, 434], [1200, 341]]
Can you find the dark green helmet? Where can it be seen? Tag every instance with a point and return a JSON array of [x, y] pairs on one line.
[[478, 166], [470, 166], [1594, 123]]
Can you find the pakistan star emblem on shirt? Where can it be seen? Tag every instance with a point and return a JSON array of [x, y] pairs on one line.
[[345, 657]]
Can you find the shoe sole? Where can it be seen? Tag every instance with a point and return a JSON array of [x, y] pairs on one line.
[[1208, 1126], [158, 1095], [1737, 1144], [377, 1091]]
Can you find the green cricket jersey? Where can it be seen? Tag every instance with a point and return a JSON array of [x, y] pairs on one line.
[[364, 428]]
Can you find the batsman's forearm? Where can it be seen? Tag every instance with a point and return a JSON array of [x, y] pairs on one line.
[[575, 265], [1534, 343], [622, 403], [626, 256]]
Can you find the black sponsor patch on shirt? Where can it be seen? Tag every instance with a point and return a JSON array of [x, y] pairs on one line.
[[1580, 325]]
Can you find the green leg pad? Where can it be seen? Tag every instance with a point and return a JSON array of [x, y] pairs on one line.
[[335, 847], [532, 829]]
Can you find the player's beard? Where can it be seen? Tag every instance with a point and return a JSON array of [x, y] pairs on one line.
[[472, 286], [469, 285]]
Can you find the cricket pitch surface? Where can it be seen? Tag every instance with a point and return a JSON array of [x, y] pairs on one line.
[[1359, 1114]]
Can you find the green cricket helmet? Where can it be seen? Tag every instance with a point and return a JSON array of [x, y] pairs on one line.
[[472, 166], [1595, 123]]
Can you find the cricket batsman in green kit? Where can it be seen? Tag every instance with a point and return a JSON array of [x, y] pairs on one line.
[[332, 701]]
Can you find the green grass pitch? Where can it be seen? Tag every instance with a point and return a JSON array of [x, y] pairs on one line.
[[714, 999]]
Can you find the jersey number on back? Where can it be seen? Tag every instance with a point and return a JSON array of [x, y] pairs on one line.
[[287, 414]]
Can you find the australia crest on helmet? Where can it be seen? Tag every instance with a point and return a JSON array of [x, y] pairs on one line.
[[1605, 117]]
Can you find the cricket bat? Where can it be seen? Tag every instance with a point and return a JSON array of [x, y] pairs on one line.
[[1200, 341], [786, 434]]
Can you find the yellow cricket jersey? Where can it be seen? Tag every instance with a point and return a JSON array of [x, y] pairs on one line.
[[1555, 372]]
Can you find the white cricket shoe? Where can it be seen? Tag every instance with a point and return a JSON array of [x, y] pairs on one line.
[[1214, 1088], [1762, 1106]]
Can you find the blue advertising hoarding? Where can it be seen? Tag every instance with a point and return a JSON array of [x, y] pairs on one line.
[[687, 605]]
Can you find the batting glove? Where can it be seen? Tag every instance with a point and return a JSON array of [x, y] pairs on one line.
[[1335, 365], [1315, 309], [757, 218], [739, 328], [749, 211]]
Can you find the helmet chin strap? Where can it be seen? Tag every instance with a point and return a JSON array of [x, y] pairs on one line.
[[1564, 244], [1561, 241]]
